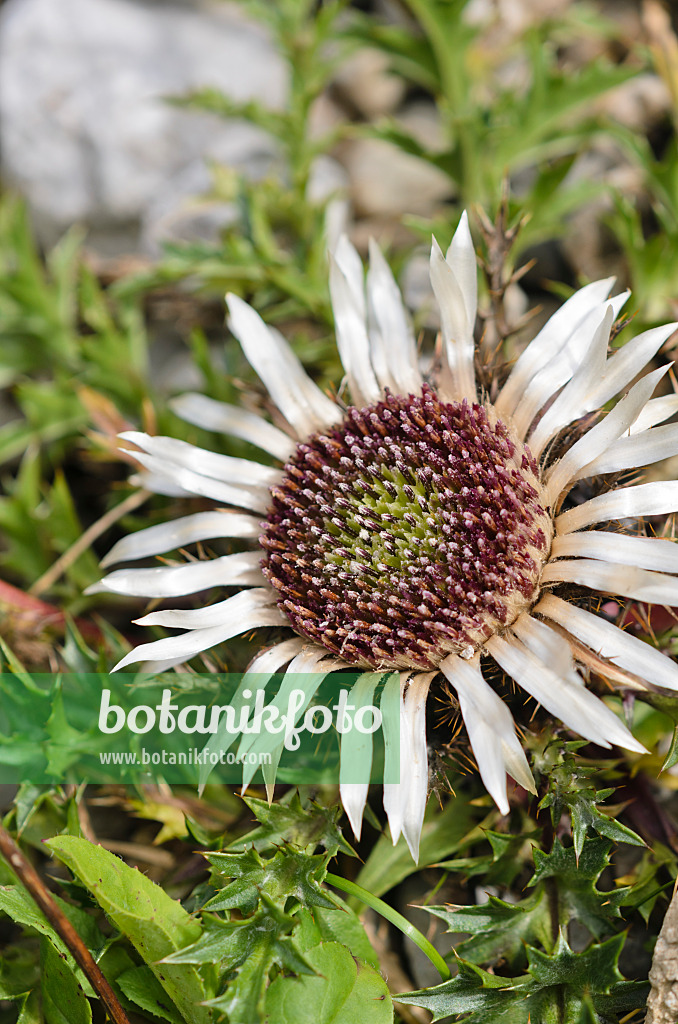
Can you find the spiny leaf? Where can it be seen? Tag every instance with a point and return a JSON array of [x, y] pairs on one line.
[[575, 879], [498, 929], [288, 873], [595, 968], [474, 991], [295, 824]]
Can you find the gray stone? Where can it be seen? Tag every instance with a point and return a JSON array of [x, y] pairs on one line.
[[85, 132]]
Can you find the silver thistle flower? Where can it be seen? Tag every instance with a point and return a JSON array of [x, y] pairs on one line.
[[420, 529]]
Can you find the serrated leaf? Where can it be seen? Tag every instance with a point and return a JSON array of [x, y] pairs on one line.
[[343, 991], [595, 969], [585, 815], [294, 824], [577, 892], [288, 873], [155, 924], [473, 991], [243, 1000], [498, 929], [556, 990], [231, 943], [253, 947]]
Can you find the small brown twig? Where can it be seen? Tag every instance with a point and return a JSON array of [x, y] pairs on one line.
[[39, 892], [49, 578]]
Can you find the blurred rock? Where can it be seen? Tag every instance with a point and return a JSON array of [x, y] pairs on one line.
[[386, 182], [638, 104], [85, 133], [366, 84]]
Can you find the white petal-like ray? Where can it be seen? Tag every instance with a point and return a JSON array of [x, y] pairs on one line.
[[351, 266], [305, 672], [656, 411], [269, 661], [393, 729], [490, 729], [653, 499], [610, 642], [454, 282], [356, 750], [564, 364], [257, 677], [177, 533], [592, 387], [243, 569], [405, 801], [600, 437], [173, 650], [571, 402], [638, 449], [396, 793], [231, 419], [461, 257], [626, 580], [211, 464], [414, 713], [571, 703], [255, 498], [352, 338], [628, 361], [260, 603], [554, 336], [393, 343], [159, 484], [642, 552], [301, 402], [546, 645]]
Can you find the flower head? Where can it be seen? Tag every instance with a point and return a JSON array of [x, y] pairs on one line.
[[422, 530]]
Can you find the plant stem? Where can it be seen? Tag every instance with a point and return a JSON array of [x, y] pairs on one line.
[[37, 889], [49, 578], [395, 918]]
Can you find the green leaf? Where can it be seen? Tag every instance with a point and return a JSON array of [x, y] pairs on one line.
[[586, 815], [299, 826], [577, 892], [498, 929], [63, 999], [252, 947], [344, 991], [338, 925], [17, 904], [231, 943], [473, 989], [595, 968], [18, 972], [243, 1000], [288, 873], [155, 924], [31, 1010], [142, 988]]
